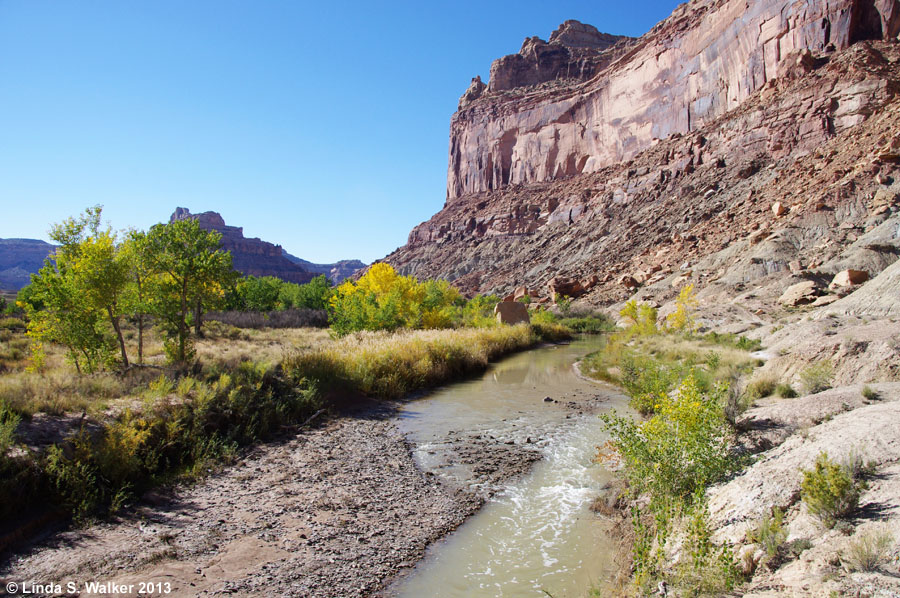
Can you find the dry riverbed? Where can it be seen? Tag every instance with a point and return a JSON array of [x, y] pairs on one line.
[[338, 510]]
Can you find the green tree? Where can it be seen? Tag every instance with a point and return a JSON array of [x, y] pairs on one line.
[[76, 290], [135, 252], [193, 272], [260, 293]]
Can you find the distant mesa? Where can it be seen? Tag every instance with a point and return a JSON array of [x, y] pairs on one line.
[[19, 258], [254, 257]]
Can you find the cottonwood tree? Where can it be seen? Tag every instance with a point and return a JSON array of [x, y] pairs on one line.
[[192, 272], [135, 252], [79, 287]]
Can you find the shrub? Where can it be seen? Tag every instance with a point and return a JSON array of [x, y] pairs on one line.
[[770, 533], [539, 315], [680, 450], [639, 318], [761, 387], [646, 380], [682, 319], [283, 318], [829, 490], [868, 550], [817, 377], [590, 324], [785, 391]]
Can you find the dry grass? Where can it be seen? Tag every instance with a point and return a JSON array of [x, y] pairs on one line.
[[393, 364]]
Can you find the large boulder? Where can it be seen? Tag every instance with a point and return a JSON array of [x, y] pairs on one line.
[[511, 312], [799, 294], [848, 278]]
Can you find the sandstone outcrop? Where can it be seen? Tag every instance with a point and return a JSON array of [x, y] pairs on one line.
[[806, 142], [848, 278], [800, 293], [511, 312]]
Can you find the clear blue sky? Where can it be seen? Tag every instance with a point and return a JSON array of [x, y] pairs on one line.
[[321, 126]]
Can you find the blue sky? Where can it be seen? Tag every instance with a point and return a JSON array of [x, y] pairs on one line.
[[322, 127]]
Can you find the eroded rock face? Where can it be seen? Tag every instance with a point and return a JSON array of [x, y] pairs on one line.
[[608, 105], [816, 139]]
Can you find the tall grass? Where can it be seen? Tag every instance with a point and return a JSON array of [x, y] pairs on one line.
[[390, 365]]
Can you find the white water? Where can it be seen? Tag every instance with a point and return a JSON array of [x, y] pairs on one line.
[[537, 535]]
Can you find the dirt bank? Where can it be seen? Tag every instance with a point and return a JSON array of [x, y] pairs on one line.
[[334, 511]]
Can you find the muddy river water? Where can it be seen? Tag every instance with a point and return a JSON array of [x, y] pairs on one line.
[[535, 536]]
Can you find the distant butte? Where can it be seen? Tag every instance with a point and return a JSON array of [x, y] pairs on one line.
[[254, 257]]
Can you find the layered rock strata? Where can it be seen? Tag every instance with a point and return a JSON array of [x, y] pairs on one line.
[[706, 59]]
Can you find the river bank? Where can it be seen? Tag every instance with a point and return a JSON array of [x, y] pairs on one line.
[[340, 509], [336, 510]]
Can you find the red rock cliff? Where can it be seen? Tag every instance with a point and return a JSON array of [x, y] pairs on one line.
[[704, 60]]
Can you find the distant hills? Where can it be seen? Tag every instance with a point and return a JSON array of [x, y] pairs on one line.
[[19, 258]]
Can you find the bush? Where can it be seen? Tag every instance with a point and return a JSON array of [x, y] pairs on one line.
[[591, 324], [829, 490], [868, 550], [286, 318], [785, 391], [646, 380], [761, 388], [817, 377], [679, 451]]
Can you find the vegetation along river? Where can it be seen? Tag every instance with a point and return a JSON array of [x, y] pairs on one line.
[[535, 535]]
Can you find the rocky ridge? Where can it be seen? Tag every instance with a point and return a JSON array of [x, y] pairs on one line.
[[254, 257]]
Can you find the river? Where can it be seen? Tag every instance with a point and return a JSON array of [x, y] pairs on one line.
[[536, 535]]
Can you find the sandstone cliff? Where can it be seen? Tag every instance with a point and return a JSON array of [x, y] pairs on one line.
[[706, 59], [675, 151]]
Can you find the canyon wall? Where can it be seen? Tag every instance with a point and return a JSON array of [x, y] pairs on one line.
[[542, 119]]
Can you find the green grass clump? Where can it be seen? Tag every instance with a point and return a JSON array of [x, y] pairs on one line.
[[870, 394], [868, 551], [15, 324], [732, 340], [770, 533], [829, 490], [817, 377]]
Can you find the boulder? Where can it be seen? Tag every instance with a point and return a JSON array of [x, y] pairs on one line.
[[565, 286], [521, 292], [629, 282], [848, 278], [799, 294], [779, 209], [511, 312]]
